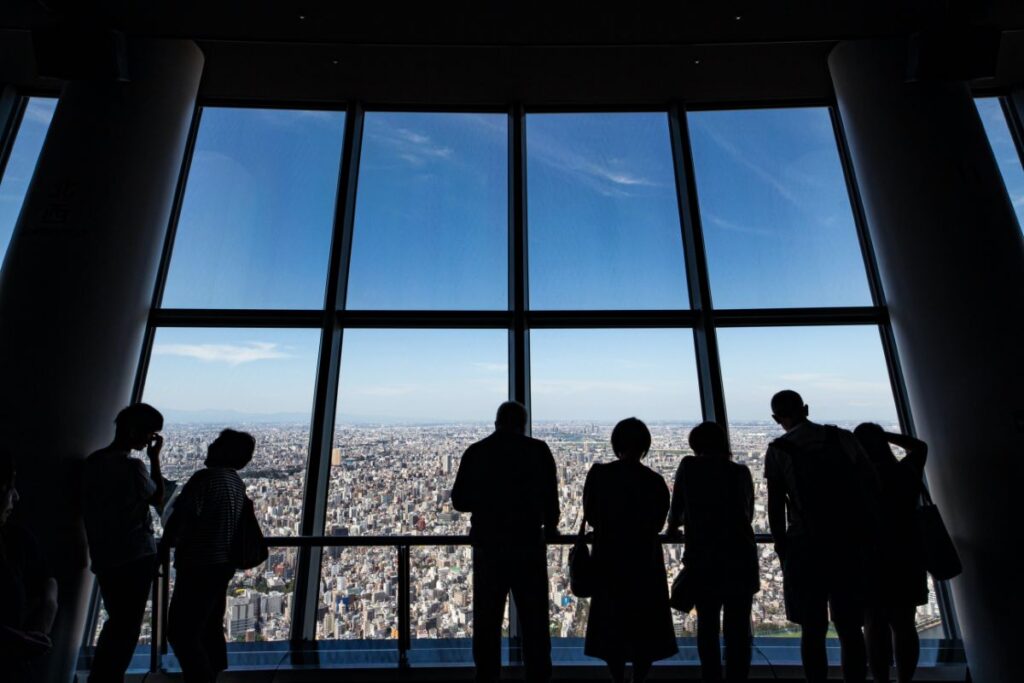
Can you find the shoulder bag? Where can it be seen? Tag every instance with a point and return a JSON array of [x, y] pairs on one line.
[[581, 565], [940, 556], [248, 546]]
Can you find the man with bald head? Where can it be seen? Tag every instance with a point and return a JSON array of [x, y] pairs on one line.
[[509, 483], [820, 487]]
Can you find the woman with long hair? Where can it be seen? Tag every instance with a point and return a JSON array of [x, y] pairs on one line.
[[899, 582]]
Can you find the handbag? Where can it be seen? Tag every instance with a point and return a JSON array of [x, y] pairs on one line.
[[248, 546], [940, 556], [581, 565], [682, 597]]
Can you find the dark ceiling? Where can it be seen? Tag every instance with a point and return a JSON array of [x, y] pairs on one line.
[[486, 53]]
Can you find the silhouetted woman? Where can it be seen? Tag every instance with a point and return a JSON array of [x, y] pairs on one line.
[[202, 528], [899, 582], [713, 498], [626, 503]]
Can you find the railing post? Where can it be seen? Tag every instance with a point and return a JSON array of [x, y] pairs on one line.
[[404, 627]]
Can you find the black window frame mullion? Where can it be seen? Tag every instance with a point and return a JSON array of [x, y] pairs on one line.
[[12, 112], [325, 400], [1013, 110], [705, 338], [518, 262]]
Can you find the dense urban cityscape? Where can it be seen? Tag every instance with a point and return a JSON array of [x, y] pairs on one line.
[[395, 480]]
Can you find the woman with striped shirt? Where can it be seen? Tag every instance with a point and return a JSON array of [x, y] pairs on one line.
[[201, 529]]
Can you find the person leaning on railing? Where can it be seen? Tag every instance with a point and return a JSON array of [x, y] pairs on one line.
[[201, 528]]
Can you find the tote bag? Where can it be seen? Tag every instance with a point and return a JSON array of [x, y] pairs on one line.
[[248, 547], [581, 566], [940, 556]]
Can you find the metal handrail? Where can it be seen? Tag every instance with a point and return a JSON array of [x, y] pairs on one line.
[[161, 586]]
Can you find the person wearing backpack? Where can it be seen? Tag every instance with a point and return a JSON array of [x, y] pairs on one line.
[[202, 529], [821, 492]]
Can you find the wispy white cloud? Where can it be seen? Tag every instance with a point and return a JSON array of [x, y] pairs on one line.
[[491, 367], [231, 354], [612, 177], [836, 384], [768, 177], [730, 226], [298, 118], [412, 147], [40, 112]]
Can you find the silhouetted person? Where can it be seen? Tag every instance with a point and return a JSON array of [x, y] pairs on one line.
[[626, 503], [202, 528], [900, 582], [117, 492], [28, 593], [713, 498], [509, 483], [820, 489]]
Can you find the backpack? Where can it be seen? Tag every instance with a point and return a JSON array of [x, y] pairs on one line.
[[830, 499]]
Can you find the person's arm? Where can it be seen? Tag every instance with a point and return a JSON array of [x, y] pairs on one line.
[[153, 453], [661, 506], [552, 511], [776, 504], [748, 493], [589, 502], [917, 450], [677, 507], [464, 490]]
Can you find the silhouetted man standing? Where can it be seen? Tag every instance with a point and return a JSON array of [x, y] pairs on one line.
[[509, 483], [820, 484], [116, 495]]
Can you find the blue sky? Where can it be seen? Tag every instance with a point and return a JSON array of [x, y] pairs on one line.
[[22, 163], [430, 233]]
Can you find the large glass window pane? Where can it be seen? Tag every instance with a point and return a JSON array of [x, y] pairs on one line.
[[21, 163], [257, 380], [431, 226], [1005, 150], [409, 403], [778, 227], [258, 212], [584, 381], [603, 215]]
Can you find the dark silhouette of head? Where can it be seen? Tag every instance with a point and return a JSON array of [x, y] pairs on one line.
[[511, 417], [137, 424], [876, 445], [788, 409], [631, 439], [8, 494], [232, 449], [710, 439]]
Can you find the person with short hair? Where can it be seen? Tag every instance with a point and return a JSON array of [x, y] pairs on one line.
[[713, 499], [820, 511], [509, 483], [202, 528], [626, 503], [28, 592], [900, 581], [117, 492]]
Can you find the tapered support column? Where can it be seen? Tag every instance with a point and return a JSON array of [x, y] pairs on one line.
[[75, 292], [951, 259]]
